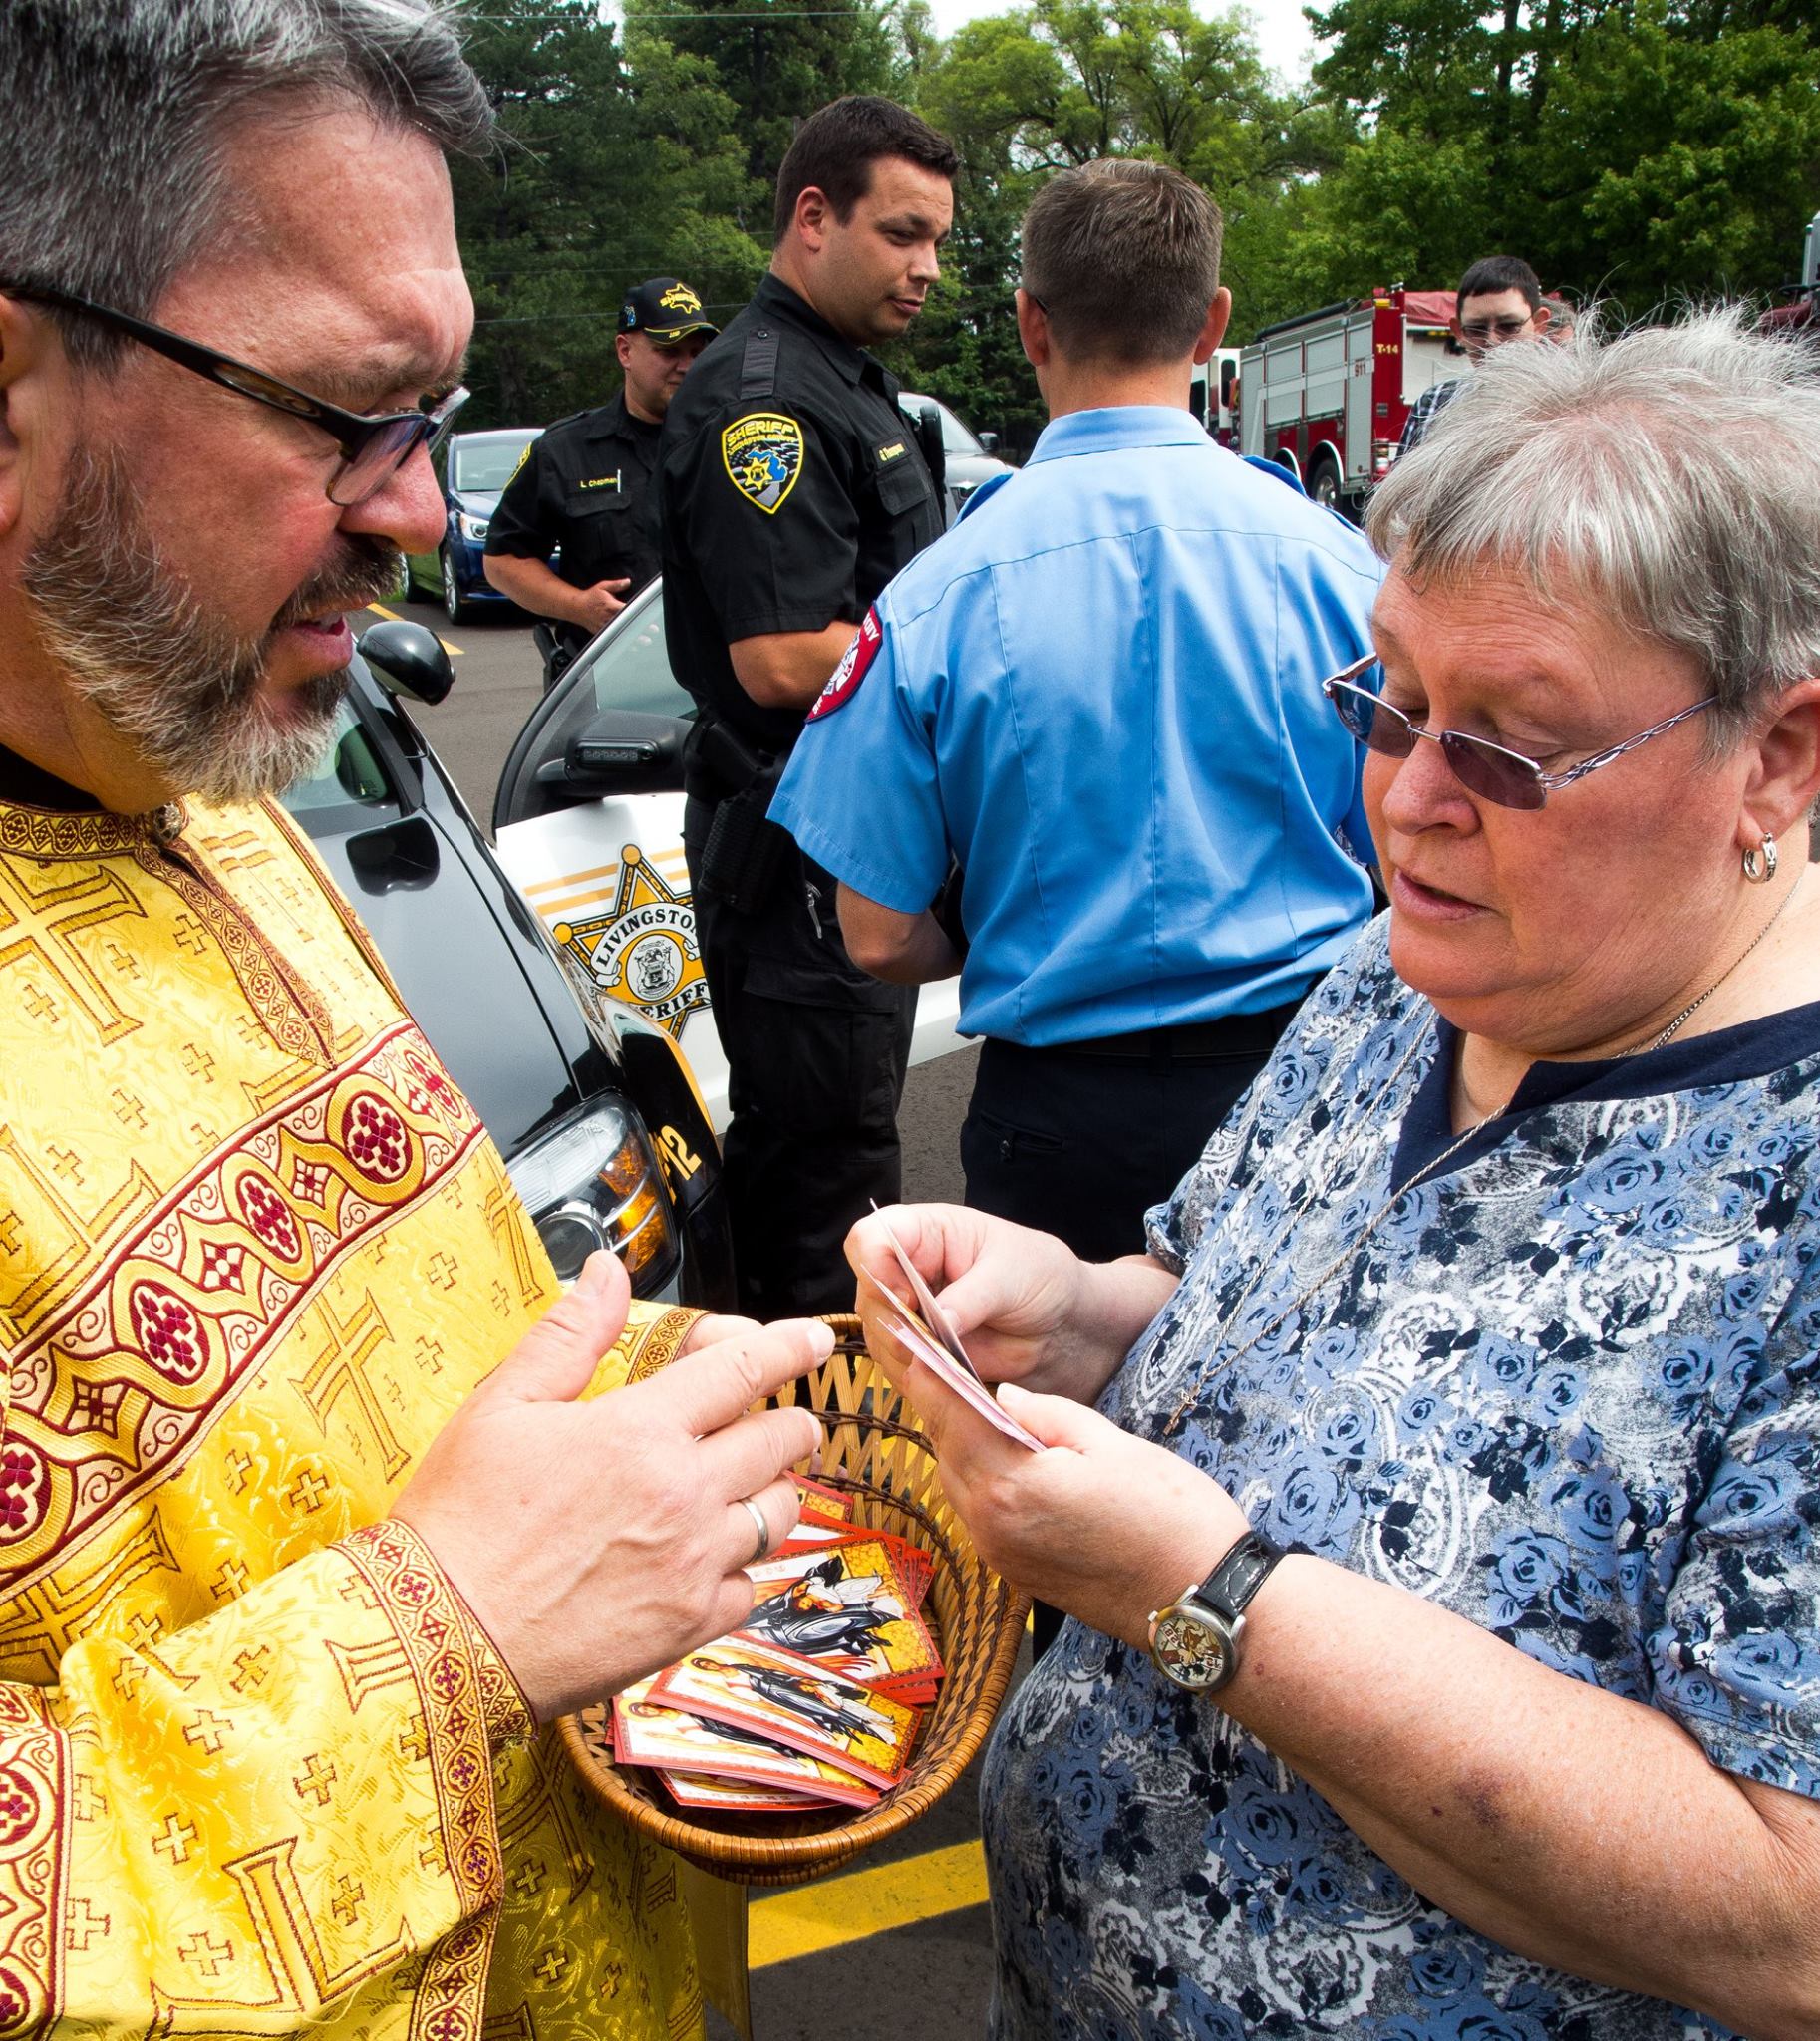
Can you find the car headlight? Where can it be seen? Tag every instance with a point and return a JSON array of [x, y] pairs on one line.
[[473, 529], [594, 1183]]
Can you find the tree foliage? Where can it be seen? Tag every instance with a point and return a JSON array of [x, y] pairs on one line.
[[1637, 148]]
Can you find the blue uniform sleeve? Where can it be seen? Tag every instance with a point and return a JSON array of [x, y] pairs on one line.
[[860, 793]]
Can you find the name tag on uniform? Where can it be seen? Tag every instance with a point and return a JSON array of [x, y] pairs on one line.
[[604, 481], [895, 451]]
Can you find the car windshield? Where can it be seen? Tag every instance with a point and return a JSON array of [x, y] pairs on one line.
[[489, 463]]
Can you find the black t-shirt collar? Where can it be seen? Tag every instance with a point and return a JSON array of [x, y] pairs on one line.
[[29, 786]]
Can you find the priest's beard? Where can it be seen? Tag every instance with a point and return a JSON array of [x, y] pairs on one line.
[[175, 683]]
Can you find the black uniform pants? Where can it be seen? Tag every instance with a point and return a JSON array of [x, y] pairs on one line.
[[1080, 1141], [817, 1054]]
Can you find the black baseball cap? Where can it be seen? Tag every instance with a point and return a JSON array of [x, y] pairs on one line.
[[665, 308]]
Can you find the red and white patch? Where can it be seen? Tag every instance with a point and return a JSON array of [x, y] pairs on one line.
[[858, 657]]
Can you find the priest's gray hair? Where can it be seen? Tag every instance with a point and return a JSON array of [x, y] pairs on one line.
[[119, 114], [1669, 477]]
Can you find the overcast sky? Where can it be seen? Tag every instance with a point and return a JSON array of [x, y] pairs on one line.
[[1282, 36]]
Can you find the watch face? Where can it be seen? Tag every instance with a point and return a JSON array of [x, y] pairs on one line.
[[1190, 1651]]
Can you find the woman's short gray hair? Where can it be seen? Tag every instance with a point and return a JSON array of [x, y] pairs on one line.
[[117, 113], [1669, 477]]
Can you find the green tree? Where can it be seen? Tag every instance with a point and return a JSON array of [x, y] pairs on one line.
[[778, 62], [606, 173], [1644, 149], [1062, 82], [1674, 163]]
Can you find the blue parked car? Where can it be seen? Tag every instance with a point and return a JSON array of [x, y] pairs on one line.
[[473, 468]]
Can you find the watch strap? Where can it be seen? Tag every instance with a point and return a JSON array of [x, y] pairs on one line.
[[1239, 1575]]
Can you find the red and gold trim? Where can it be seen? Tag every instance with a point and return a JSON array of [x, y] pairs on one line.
[[115, 1391], [34, 1860], [451, 1663], [655, 1346]]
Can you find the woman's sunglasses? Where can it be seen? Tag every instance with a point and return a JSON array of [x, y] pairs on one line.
[[373, 447], [1495, 774]]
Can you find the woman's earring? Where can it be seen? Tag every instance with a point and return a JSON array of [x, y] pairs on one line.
[[1760, 865]]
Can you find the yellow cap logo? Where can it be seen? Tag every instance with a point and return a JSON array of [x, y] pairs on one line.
[[679, 298]]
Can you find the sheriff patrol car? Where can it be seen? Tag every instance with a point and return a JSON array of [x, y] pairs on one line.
[[588, 822]]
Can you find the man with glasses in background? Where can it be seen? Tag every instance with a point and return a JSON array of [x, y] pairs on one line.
[[299, 1503], [1500, 300]]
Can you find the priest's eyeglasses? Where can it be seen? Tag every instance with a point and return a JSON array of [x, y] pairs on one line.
[[373, 447], [1490, 770]]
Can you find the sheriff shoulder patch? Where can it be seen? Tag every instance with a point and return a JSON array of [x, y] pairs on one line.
[[844, 682], [763, 456]]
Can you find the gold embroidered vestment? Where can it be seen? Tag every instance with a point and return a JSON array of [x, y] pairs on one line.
[[261, 1769]]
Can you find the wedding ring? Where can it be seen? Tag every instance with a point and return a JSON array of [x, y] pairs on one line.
[[763, 1530]]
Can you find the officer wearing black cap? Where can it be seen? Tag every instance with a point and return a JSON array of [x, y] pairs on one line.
[[790, 490], [584, 484]]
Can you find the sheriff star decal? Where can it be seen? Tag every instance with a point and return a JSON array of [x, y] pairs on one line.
[[643, 950], [763, 454], [679, 298]]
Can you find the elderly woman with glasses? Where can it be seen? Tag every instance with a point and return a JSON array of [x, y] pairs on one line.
[[1437, 1501]]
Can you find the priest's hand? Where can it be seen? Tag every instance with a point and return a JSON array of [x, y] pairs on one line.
[[599, 1542]]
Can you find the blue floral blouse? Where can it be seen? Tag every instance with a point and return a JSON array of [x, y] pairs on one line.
[[1566, 1388]]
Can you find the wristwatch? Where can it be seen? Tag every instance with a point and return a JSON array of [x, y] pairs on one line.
[[1195, 1641]]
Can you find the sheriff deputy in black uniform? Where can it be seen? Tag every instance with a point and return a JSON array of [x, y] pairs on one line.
[[584, 484], [790, 490]]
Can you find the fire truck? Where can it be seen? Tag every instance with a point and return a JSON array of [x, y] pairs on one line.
[[1326, 394], [1213, 395], [1800, 317]]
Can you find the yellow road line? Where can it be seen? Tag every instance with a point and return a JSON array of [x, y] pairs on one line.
[[379, 609], [808, 1919]]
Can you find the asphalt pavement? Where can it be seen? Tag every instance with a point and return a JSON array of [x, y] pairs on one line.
[[898, 1946]]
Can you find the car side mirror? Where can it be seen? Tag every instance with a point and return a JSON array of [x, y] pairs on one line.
[[988, 442], [621, 751], [410, 660]]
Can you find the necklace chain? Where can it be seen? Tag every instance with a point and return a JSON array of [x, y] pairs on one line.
[[1221, 1363]]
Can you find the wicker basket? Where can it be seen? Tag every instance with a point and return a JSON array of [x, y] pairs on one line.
[[875, 1452]]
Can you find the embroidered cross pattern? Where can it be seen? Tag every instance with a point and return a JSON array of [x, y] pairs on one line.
[[81, 1923], [306, 1493], [205, 1954], [251, 1668], [174, 1839], [317, 1778], [206, 1730]]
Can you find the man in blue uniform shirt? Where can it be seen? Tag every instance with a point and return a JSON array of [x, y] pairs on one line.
[[1101, 695]]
